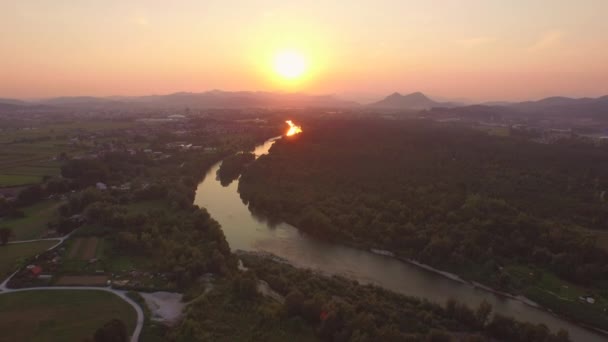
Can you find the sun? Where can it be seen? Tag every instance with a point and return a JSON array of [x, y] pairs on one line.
[[290, 64]]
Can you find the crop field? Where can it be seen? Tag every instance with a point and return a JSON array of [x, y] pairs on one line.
[[28, 163], [28, 155], [84, 248], [34, 224], [60, 315], [602, 239]]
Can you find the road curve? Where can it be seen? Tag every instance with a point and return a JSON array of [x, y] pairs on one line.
[[119, 293]]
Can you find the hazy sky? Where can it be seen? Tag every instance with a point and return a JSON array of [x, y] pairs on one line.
[[475, 49]]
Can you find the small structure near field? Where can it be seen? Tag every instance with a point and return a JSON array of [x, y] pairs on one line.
[[35, 270], [587, 299]]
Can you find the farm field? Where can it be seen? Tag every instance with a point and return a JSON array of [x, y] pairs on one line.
[[34, 224], [28, 155], [60, 315], [84, 248], [602, 239], [7, 180], [10, 254], [29, 163], [79, 252]]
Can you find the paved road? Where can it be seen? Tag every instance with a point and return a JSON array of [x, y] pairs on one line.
[[59, 240], [119, 293]]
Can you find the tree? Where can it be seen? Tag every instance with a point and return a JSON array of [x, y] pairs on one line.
[[294, 302], [113, 331], [5, 234], [29, 195], [246, 286], [483, 313]]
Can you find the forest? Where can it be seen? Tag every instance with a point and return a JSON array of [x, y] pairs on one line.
[[232, 166], [445, 195]]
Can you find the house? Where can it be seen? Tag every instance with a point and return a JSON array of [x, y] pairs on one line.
[[35, 271], [587, 299], [125, 187]]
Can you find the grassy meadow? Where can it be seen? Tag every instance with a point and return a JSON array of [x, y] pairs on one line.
[[60, 315]]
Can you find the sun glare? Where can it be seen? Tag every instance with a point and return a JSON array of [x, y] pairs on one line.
[[293, 128], [290, 64]]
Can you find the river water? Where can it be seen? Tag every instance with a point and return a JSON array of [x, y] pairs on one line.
[[249, 232]]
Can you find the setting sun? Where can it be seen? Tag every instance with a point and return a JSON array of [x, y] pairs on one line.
[[290, 64]]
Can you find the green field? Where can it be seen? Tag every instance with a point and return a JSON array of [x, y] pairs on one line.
[[602, 239], [34, 224], [560, 296], [60, 315], [27, 155], [11, 254], [7, 180]]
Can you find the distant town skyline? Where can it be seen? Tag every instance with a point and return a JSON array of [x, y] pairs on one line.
[[455, 49]]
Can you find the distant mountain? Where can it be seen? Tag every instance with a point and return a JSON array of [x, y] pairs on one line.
[[9, 106], [75, 100], [562, 108], [13, 101], [413, 101], [210, 99], [555, 106], [6, 107]]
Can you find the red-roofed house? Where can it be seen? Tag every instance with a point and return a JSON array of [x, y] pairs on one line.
[[35, 271]]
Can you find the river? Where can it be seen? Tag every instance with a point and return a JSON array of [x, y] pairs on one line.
[[249, 232]]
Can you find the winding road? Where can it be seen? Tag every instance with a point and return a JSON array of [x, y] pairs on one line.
[[122, 294]]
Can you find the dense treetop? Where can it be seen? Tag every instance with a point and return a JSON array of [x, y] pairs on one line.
[[443, 194]]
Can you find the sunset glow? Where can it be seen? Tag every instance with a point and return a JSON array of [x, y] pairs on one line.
[[293, 129], [465, 49], [290, 64]]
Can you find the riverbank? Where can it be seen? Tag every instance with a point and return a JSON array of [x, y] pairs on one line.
[[475, 284]]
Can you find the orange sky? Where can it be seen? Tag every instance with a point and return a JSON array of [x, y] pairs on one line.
[[473, 49]]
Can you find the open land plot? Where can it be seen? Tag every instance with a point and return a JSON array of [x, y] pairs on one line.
[[62, 129], [17, 180], [84, 248], [34, 224], [12, 253], [60, 315], [82, 280], [602, 239]]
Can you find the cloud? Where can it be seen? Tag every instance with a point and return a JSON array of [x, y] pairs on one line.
[[547, 40], [475, 41]]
